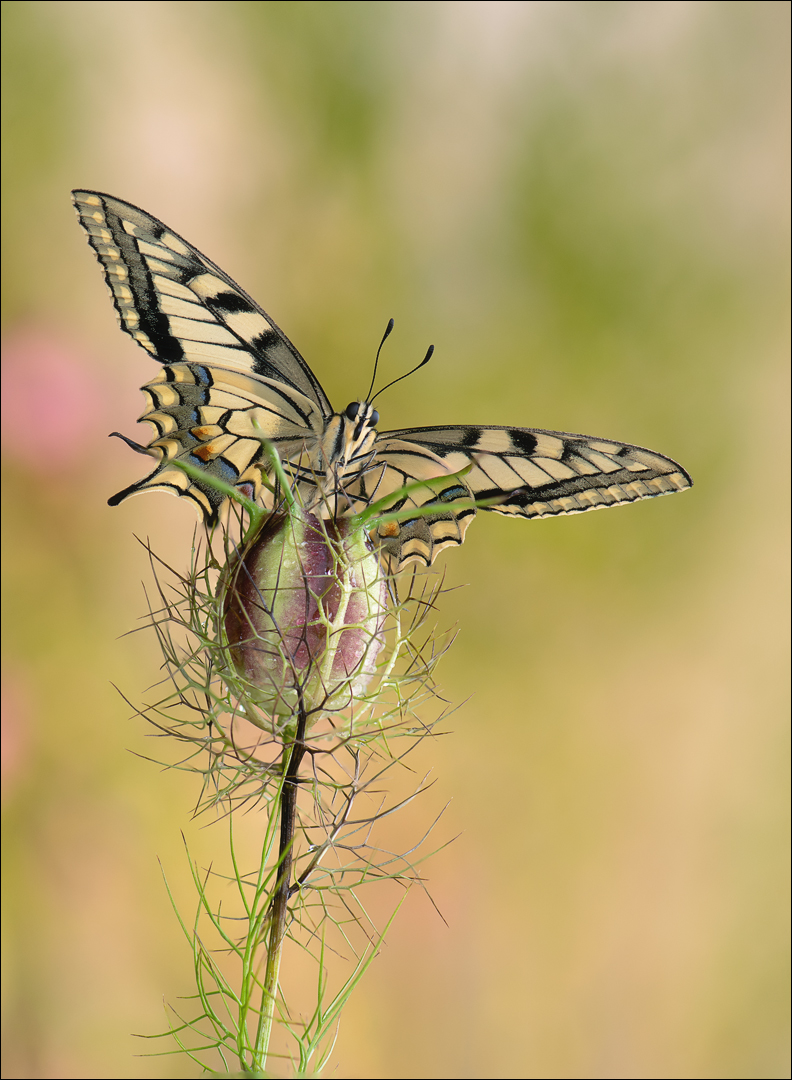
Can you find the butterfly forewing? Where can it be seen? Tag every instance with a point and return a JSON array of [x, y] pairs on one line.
[[230, 374]]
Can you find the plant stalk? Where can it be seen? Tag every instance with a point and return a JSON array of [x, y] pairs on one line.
[[280, 901]]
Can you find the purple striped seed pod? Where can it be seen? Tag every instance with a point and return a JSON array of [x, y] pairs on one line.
[[304, 610]]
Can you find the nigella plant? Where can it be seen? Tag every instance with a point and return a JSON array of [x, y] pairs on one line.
[[295, 666], [292, 686]]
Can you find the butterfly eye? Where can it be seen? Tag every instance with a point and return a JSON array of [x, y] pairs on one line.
[[374, 418], [352, 409]]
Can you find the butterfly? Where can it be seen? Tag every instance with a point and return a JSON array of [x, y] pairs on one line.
[[230, 378]]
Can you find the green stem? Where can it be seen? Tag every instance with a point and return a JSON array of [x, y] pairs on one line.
[[280, 901]]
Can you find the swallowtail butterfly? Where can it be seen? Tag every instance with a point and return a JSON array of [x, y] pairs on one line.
[[230, 377]]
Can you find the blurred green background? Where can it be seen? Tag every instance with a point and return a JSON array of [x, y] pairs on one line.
[[583, 206]]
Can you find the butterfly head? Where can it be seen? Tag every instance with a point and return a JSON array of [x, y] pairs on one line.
[[360, 415]]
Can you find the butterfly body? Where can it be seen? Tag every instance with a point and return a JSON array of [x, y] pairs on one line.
[[230, 378]]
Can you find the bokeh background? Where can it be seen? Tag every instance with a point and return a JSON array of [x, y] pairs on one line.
[[583, 206]]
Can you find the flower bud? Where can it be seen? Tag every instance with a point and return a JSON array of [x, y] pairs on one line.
[[304, 609]]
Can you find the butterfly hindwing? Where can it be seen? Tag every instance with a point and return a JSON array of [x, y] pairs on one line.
[[397, 464], [229, 374], [524, 472]]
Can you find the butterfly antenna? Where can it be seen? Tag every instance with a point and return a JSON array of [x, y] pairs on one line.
[[385, 336], [425, 360]]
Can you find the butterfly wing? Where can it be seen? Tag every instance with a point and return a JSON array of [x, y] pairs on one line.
[[527, 472], [229, 375]]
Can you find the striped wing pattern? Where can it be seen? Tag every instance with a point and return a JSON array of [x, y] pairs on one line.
[[230, 378], [526, 472], [229, 374]]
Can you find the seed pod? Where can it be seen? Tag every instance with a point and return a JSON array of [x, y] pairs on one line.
[[304, 608]]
